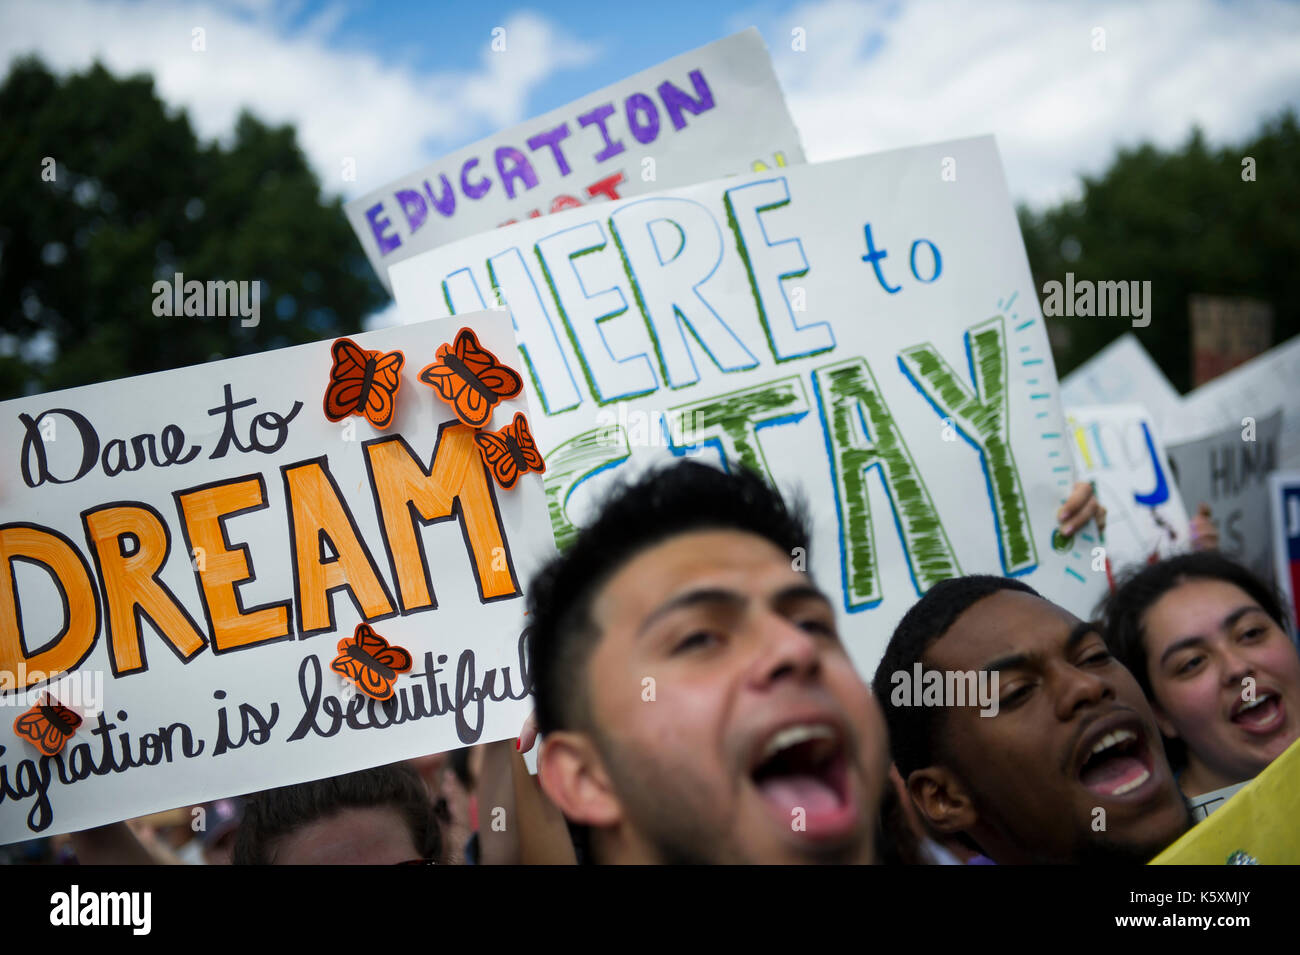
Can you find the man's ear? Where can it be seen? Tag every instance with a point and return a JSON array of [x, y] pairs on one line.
[[574, 778], [941, 800]]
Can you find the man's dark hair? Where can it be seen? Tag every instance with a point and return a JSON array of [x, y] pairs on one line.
[[913, 730], [663, 503], [1123, 610], [459, 761], [271, 815]]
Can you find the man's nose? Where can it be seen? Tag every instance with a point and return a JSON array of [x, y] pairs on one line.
[[786, 651], [1080, 688]]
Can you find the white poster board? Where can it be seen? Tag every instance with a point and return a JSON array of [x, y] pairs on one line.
[[865, 331], [1251, 390], [1124, 373], [1229, 471], [1118, 448], [711, 112], [192, 584]]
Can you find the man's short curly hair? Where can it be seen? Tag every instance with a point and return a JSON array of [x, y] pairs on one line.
[[662, 503], [271, 815]]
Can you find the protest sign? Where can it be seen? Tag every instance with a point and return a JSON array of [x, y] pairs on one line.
[[1284, 511], [1251, 390], [1124, 373], [863, 330], [1117, 448], [1229, 472], [1256, 826], [711, 112], [1207, 804], [181, 555]]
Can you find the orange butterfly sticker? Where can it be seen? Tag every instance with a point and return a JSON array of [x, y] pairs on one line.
[[469, 378], [510, 452], [48, 725], [363, 383], [371, 662]]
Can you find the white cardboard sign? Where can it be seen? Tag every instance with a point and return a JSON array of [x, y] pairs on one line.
[[713, 111], [1250, 391], [188, 548], [1118, 448], [863, 330], [1125, 373], [1229, 471]]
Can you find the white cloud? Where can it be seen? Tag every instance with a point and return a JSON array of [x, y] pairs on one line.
[[344, 102], [883, 76]]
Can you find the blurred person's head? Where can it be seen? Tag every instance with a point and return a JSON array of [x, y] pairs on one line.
[[220, 830], [379, 816], [695, 700], [1068, 767], [1209, 644], [446, 777]]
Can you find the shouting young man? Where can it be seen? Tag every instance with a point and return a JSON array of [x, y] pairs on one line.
[[696, 702], [1068, 767]]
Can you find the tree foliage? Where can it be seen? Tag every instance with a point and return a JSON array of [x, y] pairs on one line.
[[1188, 222], [136, 198]]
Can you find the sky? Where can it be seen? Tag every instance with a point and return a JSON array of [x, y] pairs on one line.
[[394, 85]]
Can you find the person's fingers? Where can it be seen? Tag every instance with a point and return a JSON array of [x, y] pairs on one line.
[[1101, 519], [1079, 508], [1205, 532], [527, 734], [1079, 495]]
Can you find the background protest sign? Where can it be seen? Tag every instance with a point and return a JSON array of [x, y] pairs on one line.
[[192, 545], [1117, 447], [1229, 471], [1284, 510], [865, 330], [1253, 389], [711, 112], [1124, 373]]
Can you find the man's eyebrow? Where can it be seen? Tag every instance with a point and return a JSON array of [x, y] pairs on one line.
[[1010, 662], [691, 598], [1081, 631], [801, 592]]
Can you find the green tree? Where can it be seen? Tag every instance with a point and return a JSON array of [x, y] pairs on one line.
[[1186, 221], [135, 198]]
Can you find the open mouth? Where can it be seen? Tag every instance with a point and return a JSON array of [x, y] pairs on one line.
[[802, 774], [1116, 763], [1260, 715]]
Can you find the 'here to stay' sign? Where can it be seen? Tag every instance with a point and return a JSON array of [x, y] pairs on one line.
[[865, 330]]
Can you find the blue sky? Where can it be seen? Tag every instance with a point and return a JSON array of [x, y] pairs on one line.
[[393, 85], [627, 40]]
